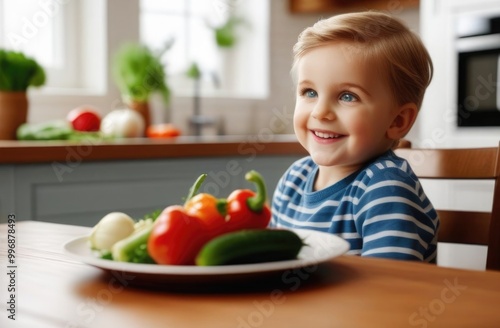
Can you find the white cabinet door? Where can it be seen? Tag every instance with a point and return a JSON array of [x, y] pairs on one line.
[[93, 189]]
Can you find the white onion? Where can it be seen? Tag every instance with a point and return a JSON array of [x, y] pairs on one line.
[[113, 227], [123, 123]]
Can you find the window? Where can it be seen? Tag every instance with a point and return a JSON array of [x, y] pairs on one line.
[[237, 71], [65, 36], [75, 41]]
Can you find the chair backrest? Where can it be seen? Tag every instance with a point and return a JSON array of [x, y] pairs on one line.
[[463, 227]]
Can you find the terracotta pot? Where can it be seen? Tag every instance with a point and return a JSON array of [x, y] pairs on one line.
[[13, 113], [142, 107]]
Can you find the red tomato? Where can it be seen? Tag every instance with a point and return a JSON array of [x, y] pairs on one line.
[[166, 130], [84, 118]]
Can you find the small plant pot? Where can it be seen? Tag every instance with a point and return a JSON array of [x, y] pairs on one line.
[[13, 113]]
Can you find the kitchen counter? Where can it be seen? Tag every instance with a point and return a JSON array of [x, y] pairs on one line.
[[16, 152]]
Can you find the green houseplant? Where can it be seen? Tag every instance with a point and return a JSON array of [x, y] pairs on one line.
[[226, 34], [138, 73], [17, 73]]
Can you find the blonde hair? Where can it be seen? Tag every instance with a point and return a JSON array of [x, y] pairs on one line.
[[375, 35]]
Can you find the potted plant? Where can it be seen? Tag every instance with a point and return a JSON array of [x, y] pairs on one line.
[[138, 73], [17, 73]]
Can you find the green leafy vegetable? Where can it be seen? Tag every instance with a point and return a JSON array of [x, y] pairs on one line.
[[18, 72], [55, 130], [50, 130], [153, 215], [105, 255]]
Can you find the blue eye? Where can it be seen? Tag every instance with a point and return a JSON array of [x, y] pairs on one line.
[[348, 97], [309, 93]]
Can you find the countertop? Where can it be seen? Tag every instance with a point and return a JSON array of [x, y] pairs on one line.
[[18, 152]]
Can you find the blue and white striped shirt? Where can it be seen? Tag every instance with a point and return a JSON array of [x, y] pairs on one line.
[[381, 210]]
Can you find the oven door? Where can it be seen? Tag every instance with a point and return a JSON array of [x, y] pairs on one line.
[[478, 88]]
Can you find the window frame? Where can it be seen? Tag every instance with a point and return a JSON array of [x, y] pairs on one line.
[[235, 79], [64, 45], [93, 46]]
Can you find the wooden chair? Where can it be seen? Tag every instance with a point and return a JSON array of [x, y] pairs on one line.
[[463, 227]]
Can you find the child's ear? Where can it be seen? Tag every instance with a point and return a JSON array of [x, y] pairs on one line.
[[403, 121]]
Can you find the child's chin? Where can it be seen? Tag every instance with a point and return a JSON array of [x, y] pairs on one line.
[[324, 159]]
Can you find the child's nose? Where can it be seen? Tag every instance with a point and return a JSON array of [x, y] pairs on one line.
[[323, 110]]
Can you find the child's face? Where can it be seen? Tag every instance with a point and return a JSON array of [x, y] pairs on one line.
[[343, 108]]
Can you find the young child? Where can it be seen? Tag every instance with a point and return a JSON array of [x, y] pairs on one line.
[[360, 80]]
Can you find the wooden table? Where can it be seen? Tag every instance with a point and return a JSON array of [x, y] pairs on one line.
[[53, 290]]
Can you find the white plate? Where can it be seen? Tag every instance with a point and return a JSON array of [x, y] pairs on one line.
[[320, 247]]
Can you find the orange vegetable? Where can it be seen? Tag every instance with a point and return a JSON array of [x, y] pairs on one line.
[[165, 130]]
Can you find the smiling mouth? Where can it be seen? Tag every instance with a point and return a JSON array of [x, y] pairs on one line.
[[326, 135]]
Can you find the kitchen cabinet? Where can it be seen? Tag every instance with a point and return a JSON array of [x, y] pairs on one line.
[[135, 187], [320, 6], [78, 184]]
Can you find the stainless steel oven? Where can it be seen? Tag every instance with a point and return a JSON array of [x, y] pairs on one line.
[[478, 46]]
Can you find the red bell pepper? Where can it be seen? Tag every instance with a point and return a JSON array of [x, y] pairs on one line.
[[180, 232], [176, 238], [247, 209], [243, 209]]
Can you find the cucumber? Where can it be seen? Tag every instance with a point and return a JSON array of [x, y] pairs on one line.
[[250, 246]]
